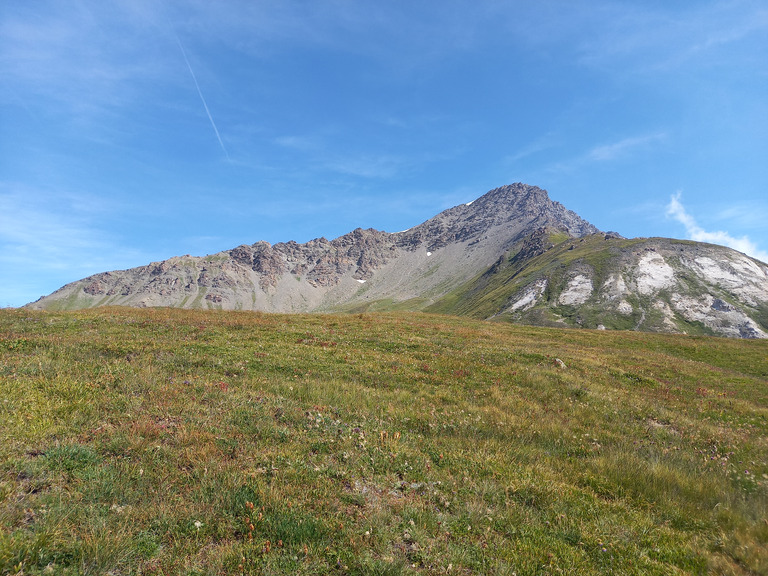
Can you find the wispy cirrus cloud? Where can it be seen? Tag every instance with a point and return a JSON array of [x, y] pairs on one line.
[[622, 149], [642, 39], [615, 150], [325, 153], [370, 165], [539, 144], [55, 235], [694, 231], [301, 143], [82, 56]]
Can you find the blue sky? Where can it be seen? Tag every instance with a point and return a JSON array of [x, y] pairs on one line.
[[136, 130]]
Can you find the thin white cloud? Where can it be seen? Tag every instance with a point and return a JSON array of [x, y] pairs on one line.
[[613, 151], [202, 98], [84, 57], [676, 210], [751, 216], [57, 236], [540, 144], [329, 154], [641, 39], [370, 165], [302, 143], [320, 154], [625, 146]]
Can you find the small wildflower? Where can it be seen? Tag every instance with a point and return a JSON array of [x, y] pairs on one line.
[[198, 525]]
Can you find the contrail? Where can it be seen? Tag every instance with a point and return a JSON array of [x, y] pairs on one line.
[[202, 99]]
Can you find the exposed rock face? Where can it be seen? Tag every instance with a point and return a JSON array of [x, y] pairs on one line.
[[510, 209], [578, 291], [652, 273], [355, 269], [654, 284], [511, 254]]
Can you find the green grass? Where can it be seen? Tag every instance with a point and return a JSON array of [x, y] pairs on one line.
[[491, 293], [488, 294], [203, 442]]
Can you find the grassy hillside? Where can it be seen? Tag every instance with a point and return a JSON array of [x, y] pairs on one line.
[[601, 260], [491, 292], [185, 442]]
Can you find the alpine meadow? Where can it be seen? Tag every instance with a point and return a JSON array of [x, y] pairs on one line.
[[170, 441], [365, 288]]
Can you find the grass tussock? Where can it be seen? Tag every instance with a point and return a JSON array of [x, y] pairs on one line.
[[181, 442]]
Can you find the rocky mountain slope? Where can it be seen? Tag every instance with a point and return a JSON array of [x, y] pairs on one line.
[[606, 282], [511, 254], [358, 268]]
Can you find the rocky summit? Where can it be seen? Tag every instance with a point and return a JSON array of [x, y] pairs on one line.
[[513, 254]]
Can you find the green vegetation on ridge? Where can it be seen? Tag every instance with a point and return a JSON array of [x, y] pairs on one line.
[[170, 441], [537, 280], [490, 293]]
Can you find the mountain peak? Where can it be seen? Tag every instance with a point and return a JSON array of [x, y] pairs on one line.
[[507, 213], [512, 254], [516, 192]]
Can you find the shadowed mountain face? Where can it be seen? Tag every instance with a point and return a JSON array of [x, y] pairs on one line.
[[511, 254]]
